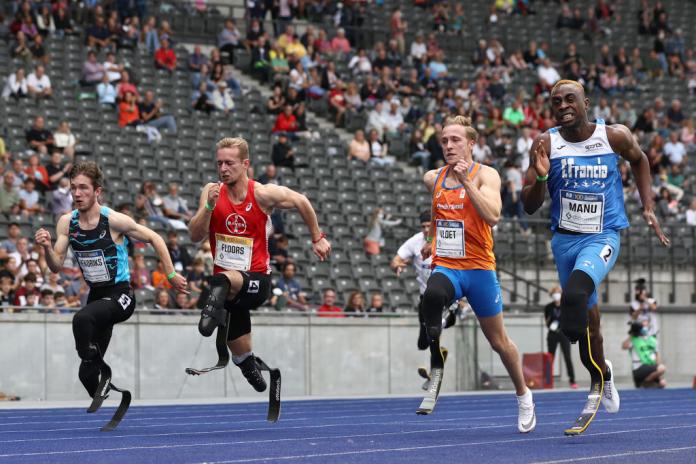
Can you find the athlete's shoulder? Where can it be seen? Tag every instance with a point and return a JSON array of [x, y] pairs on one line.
[[430, 176], [488, 172], [63, 223], [620, 137]]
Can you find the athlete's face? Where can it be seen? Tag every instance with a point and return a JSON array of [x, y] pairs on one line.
[[83, 192], [455, 144], [569, 105], [230, 165]]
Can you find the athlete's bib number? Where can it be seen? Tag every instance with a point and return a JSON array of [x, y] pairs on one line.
[[93, 265], [449, 242], [233, 252], [582, 212]]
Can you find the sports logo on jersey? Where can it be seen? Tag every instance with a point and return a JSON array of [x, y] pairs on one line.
[[248, 207], [560, 148], [103, 234], [235, 224], [593, 146], [253, 286]]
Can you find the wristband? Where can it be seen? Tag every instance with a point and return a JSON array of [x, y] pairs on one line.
[[543, 178], [429, 239], [208, 207], [321, 236], [171, 275]]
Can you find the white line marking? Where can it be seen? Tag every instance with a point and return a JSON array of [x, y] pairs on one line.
[[439, 446], [190, 445], [619, 455]]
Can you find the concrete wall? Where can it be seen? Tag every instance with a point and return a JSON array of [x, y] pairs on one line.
[[317, 356]]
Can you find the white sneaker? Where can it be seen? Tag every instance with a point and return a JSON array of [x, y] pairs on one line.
[[526, 416], [610, 397]]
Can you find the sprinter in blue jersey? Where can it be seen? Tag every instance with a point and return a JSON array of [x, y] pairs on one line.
[[97, 236], [577, 162]]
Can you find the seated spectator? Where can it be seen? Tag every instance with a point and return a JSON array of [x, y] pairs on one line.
[[98, 35], [377, 304], [39, 138], [7, 294], [282, 153], [61, 198], [690, 214], [196, 278], [150, 34], [47, 301], [228, 39], [16, 86], [165, 58], [648, 371], [379, 150], [45, 23], [129, 36], [514, 114], [154, 206], [222, 97], [39, 84], [393, 119], [9, 195], [65, 140], [174, 206], [128, 113], [674, 149], [29, 198], [418, 49], [28, 293], [162, 300], [291, 290], [328, 306], [197, 60], [481, 152], [56, 170], [667, 205], [548, 75], [438, 68], [38, 51], [418, 153], [9, 245], [140, 274], [276, 102], [337, 102], [179, 254], [63, 22], [269, 176], [106, 92], [112, 68], [356, 305], [360, 63], [183, 301], [20, 48], [286, 121], [374, 239], [159, 277], [38, 172], [340, 44], [202, 99], [359, 147], [125, 86], [151, 114], [675, 114], [28, 27]]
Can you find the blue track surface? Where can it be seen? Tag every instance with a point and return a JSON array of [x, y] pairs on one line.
[[653, 426]]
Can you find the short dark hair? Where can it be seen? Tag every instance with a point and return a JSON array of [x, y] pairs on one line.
[[88, 169]]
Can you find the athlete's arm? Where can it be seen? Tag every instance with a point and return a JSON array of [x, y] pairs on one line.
[[200, 222], [534, 190], [429, 179], [127, 226], [272, 196], [55, 256], [398, 264], [486, 196], [623, 143]]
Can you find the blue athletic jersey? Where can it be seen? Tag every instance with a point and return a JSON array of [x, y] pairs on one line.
[[585, 184], [102, 261]]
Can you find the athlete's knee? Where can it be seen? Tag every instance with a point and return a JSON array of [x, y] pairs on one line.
[[434, 299], [501, 344], [89, 376], [219, 290]]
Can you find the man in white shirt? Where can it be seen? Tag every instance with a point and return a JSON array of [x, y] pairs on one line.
[[675, 149], [418, 48], [547, 74], [481, 151], [38, 84], [691, 213], [393, 120], [375, 120]]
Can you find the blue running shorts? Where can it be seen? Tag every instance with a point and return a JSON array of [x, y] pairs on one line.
[[479, 286]]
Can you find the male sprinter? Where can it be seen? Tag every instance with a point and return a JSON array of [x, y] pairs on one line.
[[97, 236], [235, 215], [577, 161], [466, 204]]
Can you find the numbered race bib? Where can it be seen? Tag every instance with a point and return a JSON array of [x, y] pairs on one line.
[[232, 252], [582, 212], [93, 265], [449, 242]]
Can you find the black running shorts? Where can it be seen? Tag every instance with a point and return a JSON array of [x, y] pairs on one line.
[[256, 288]]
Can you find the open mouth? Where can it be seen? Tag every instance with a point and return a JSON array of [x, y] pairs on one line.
[[567, 117]]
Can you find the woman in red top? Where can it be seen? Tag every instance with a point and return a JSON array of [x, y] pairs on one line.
[[37, 172], [128, 113], [286, 121], [235, 215]]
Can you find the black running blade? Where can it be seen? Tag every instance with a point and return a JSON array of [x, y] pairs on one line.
[[102, 389], [430, 399], [423, 372], [120, 411], [223, 354], [274, 396]]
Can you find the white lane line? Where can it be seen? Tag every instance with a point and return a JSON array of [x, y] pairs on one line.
[[290, 407], [448, 408], [189, 445], [341, 424], [419, 448], [620, 455]]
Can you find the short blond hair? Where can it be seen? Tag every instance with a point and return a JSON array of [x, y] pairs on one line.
[[568, 82], [464, 121], [234, 142]]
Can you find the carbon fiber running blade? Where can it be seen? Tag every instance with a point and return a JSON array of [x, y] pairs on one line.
[[274, 396], [430, 399], [588, 411], [120, 411]]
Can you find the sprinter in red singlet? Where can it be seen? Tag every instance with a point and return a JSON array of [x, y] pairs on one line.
[[235, 215]]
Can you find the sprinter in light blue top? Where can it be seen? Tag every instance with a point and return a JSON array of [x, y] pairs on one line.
[[578, 162]]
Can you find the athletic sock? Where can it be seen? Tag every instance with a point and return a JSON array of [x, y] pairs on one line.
[[525, 398], [241, 358], [607, 375]]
